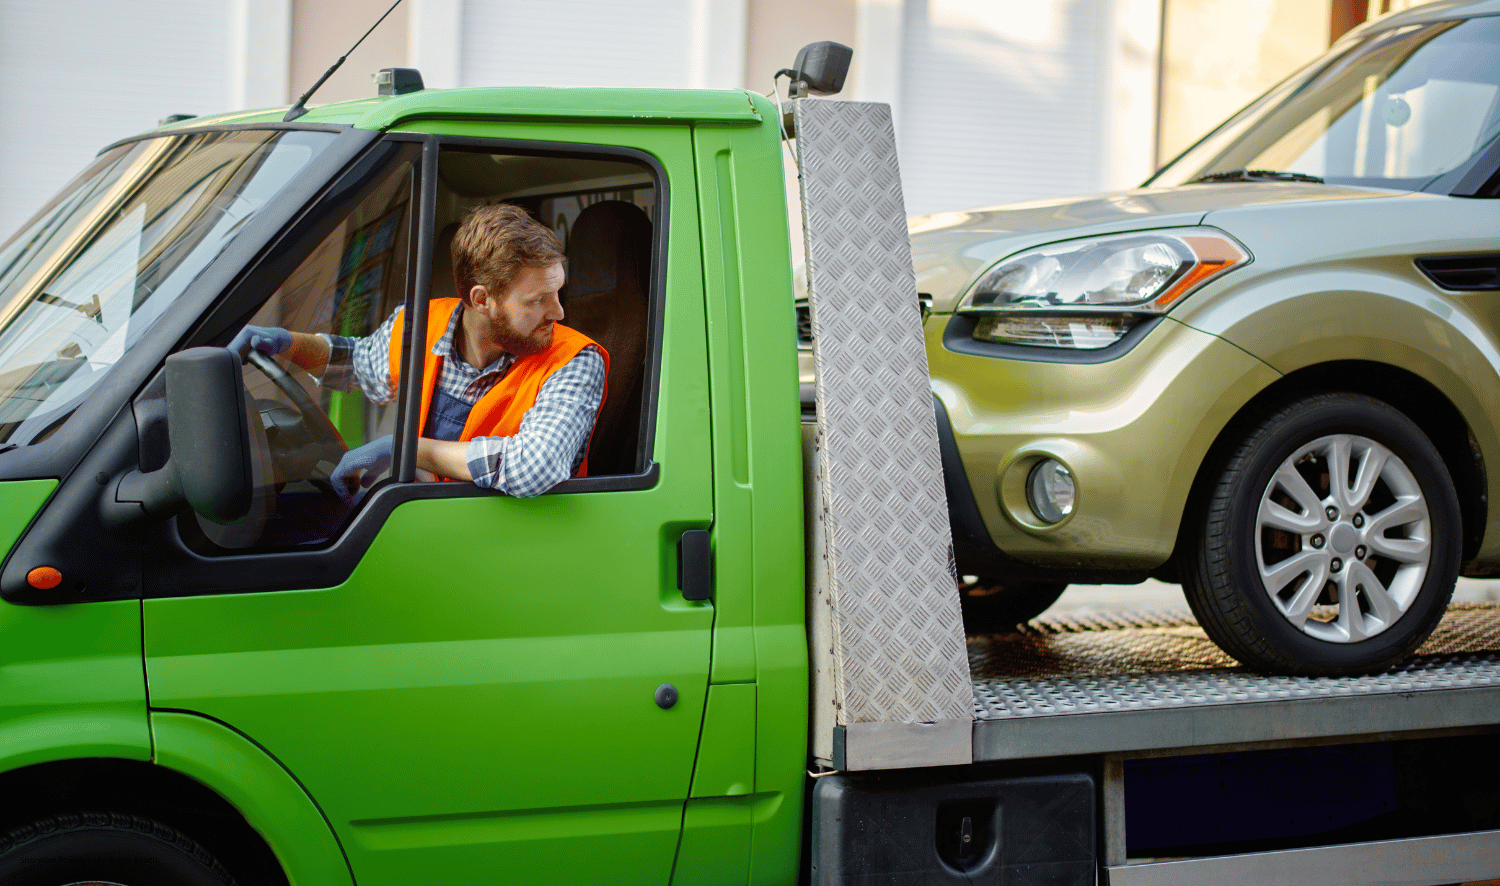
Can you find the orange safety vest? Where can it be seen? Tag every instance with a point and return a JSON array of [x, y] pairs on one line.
[[499, 412]]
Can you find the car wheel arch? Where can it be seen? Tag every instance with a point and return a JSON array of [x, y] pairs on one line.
[[1417, 398]]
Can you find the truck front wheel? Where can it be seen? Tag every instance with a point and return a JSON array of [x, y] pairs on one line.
[[1330, 541], [105, 847]]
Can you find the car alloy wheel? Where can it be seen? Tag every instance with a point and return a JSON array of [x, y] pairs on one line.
[[1328, 541], [1344, 538]]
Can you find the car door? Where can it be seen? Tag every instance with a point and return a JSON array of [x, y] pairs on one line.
[[469, 685]]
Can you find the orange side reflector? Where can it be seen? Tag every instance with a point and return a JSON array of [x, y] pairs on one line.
[[44, 578]]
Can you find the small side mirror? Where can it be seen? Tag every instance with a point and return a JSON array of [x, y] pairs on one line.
[[822, 66], [206, 424], [210, 465]]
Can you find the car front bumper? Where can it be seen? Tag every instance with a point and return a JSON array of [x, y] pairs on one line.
[[1133, 430]]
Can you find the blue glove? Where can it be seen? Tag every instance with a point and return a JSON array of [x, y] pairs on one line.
[[266, 339], [359, 467]]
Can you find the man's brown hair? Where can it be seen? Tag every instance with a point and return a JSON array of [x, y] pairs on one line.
[[495, 242]]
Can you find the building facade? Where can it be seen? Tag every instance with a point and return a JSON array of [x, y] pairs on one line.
[[995, 100]]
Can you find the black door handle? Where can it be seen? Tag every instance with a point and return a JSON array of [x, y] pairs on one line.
[[695, 565]]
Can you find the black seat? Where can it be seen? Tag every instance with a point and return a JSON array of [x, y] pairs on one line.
[[609, 261]]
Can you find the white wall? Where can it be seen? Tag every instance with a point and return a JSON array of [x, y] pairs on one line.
[[1010, 101], [582, 43], [80, 74], [995, 100]]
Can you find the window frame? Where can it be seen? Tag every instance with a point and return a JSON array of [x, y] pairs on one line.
[[647, 470], [173, 569]]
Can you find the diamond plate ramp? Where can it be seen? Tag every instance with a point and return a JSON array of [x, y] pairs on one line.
[[882, 558]]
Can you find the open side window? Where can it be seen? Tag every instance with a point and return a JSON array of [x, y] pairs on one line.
[[604, 206], [342, 273]]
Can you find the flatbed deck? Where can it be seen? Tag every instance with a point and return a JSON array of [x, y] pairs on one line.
[[1153, 683]]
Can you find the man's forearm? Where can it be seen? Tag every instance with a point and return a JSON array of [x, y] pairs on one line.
[[308, 351], [446, 458]]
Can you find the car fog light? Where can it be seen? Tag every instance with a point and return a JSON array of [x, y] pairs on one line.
[[1049, 491]]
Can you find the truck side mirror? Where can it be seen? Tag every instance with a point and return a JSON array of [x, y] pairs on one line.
[[822, 67], [209, 468]]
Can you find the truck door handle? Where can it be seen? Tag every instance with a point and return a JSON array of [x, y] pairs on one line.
[[695, 565]]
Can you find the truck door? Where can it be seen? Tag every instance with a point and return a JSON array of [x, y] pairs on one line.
[[469, 685]]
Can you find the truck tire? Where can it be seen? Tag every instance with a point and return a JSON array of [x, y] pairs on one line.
[[993, 606], [105, 847], [1330, 540]]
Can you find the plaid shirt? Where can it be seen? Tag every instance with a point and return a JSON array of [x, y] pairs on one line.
[[551, 442]]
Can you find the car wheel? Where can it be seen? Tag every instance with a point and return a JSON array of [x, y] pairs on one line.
[[105, 847], [992, 606], [1329, 543]]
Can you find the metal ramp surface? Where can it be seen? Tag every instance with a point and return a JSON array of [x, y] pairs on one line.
[[1153, 682]]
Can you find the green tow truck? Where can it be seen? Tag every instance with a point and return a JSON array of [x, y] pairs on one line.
[[731, 654]]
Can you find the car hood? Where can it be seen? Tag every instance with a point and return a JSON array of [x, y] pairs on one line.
[[951, 249]]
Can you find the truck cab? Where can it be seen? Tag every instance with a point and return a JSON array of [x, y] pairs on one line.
[[437, 682]]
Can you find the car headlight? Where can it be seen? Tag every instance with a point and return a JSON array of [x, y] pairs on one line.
[[1088, 293]]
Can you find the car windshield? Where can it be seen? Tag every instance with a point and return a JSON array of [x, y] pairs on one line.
[[1394, 109], [88, 275]]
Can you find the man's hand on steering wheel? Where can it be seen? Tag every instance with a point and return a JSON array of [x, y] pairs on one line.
[[312, 439], [359, 468], [269, 340]]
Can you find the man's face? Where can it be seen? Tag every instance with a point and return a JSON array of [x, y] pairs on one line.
[[521, 319]]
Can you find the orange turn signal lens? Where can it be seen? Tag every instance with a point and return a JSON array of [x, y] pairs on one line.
[[44, 578], [1215, 256]]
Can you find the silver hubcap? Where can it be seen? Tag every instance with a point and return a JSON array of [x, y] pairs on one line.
[[1343, 538]]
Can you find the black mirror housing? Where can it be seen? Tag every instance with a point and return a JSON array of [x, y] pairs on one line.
[[206, 423], [823, 66], [209, 468]]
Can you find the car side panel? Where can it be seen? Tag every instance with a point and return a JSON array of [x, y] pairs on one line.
[[1338, 282]]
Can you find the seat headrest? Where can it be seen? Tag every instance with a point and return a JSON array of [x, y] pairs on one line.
[[609, 248], [443, 284]]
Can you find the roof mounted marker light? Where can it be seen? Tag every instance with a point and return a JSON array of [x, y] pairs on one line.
[[398, 81]]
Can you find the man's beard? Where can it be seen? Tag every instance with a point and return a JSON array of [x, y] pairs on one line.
[[514, 342]]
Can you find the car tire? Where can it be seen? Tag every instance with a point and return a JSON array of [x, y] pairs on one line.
[[992, 606], [105, 847], [1329, 542]]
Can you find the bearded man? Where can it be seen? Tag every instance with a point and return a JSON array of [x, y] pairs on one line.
[[509, 394]]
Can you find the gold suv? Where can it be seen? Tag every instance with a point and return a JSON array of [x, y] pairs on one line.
[[1272, 373]]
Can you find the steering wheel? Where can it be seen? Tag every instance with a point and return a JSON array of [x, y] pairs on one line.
[[310, 438]]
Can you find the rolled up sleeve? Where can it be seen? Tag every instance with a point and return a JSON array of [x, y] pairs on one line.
[[553, 436]]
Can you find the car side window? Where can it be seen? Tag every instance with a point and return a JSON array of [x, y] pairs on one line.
[[351, 280], [602, 208]]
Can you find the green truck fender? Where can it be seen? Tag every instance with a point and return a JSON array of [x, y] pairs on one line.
[[85, 733], [260, 788]]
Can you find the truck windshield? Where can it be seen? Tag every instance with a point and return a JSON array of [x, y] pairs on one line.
[[1395, 109], [88, 275]]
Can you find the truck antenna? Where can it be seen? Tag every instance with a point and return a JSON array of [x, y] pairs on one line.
[[300, 108]]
